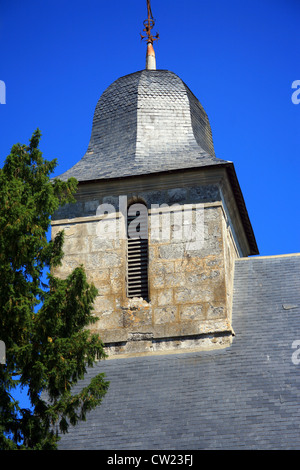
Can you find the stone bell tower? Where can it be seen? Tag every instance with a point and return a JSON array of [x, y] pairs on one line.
[[159, 219]]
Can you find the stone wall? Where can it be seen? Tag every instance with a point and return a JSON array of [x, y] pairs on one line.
[[190, 278]]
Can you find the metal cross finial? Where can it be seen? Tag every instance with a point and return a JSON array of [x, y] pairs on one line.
[[149, 24]]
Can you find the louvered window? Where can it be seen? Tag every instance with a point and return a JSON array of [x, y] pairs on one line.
[[137, 251]]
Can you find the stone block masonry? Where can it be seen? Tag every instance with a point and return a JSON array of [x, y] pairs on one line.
[[190, 289]]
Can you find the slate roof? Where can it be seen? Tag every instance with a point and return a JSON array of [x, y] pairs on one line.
[[146, 122], [245, 396]]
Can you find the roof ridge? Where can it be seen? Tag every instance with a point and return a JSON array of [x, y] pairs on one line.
[[288, 255]]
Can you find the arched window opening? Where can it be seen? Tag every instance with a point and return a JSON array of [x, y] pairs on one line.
[[137, 251]]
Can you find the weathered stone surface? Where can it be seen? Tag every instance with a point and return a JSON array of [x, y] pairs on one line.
[[137, 316], [165, 297], [76, 245], [108, 320], [111, 260], [157, 281], [161, 268], [175, 279], [190, 287], [172, 251], [99, 244], [98, 275], [192, 312], [165, 315], [214, 312], [189, 294], [104, 304]]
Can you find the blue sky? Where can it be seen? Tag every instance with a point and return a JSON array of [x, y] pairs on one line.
[[239, 58]]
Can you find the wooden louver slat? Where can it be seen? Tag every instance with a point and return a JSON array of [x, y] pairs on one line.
[[137, 259]]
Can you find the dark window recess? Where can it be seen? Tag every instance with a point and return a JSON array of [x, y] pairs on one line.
[[137, 253]]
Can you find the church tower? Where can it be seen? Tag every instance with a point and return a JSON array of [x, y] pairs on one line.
[[158, 220]]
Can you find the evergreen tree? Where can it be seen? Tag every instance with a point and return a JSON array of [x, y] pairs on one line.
[[43, 324]]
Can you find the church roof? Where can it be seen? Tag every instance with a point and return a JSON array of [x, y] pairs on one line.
[[146, 122], [243, 397]]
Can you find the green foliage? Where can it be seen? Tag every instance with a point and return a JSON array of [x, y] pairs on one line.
[[43, 325]]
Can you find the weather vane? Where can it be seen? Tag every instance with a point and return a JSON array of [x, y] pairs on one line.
[[149, 25]]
